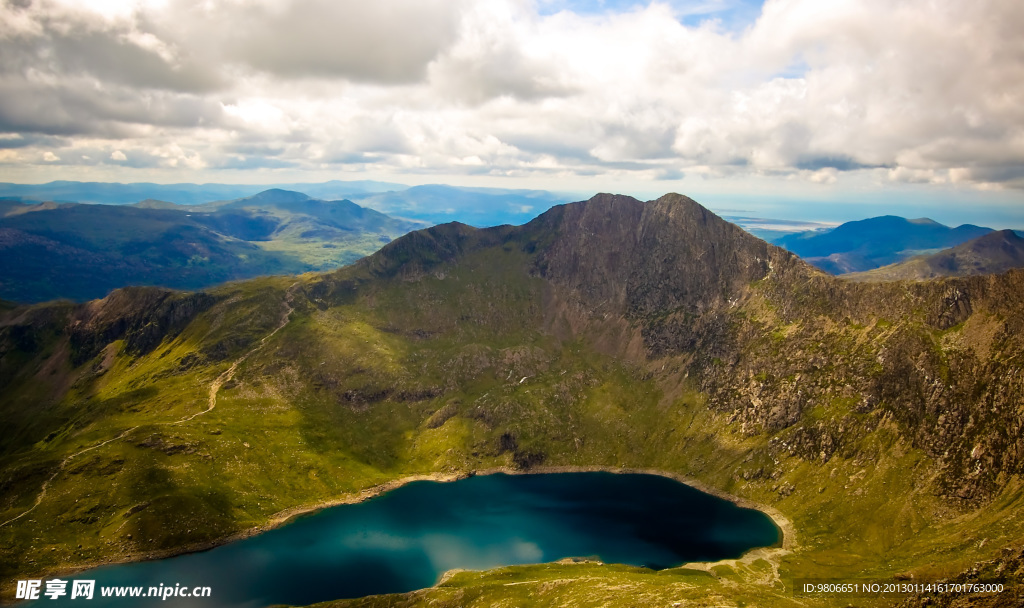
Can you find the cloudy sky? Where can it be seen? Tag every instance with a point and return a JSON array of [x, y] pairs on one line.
[[794, 99]]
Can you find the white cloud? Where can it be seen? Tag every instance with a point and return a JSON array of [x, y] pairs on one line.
[[118, 155], [921, 91]]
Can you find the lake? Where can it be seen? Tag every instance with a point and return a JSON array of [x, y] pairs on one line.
[[406, 538]]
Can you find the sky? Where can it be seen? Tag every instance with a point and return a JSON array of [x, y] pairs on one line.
[[802, 106]]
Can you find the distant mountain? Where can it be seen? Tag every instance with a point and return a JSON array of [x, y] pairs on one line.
[[432, 203], [182, 194], [992, 253], [50, 251], [478, 207], [878, 241]]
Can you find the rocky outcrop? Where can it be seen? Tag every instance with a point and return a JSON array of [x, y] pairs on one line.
[[141, 316], [616, 254]]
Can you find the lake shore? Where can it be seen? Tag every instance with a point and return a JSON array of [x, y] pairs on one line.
[[281, 518]]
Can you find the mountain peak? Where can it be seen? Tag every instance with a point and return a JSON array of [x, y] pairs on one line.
[[621, 255], [276, 195]]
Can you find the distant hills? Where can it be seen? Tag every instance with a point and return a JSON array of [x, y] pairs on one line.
[[50, 251], [992, 253], [479, 207], [875, 242], [182, 194], [430, 203]]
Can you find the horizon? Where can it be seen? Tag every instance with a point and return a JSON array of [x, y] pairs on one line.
[[792, 212], [788, 110]]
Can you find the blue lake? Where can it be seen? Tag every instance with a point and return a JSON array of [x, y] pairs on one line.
[[405, 539]]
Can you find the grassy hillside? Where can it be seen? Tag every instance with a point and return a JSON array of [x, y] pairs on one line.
[[879, 420]]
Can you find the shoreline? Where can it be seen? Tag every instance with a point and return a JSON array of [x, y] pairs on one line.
[[282, 518]]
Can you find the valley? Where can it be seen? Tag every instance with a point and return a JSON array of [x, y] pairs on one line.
[[880, 419], [81, 252]]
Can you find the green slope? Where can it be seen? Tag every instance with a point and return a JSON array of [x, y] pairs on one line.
[[880, 420]]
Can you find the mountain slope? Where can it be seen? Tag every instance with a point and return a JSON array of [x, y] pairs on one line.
[[992, 253], [84, 251], [880, 420], [874, 242]]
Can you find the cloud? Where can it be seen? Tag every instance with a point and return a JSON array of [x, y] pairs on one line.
[[118, 155], [502, 53], [387, 41], [47, 38], [918, 91]]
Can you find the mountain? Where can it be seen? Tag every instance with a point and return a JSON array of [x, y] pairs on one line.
[[992, 253], [877, 422], [429, 204], [875, 242], [480, 207], [52, 251], [306, 212], [182, 194]]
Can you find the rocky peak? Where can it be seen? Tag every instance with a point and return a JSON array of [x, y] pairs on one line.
[[617, 254]]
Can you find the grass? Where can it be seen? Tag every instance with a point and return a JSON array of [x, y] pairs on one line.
[[450, 371]]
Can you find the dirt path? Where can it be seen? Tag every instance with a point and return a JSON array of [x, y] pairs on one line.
[[229, 373], [212, 403]]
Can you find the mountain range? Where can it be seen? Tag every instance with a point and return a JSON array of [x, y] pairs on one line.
[[108, 193], [480, 207], [874, 242], [430, 203], [76, 251], [992, 253], [878, 421]]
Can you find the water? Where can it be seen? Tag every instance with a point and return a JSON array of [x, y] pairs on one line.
[[405, 539]]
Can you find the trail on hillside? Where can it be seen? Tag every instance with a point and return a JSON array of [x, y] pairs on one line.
[[215, 387], [229, 373]]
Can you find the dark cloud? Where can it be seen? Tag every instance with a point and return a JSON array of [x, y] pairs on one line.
[[27, 140], [560, 145], [254, 149], [76, 44], [503, 70], [72, 107], [251, 162], [642, 139], [669, 174], [341, 157], [118, 60], [386, 41], [1010, 174], [837, 162]]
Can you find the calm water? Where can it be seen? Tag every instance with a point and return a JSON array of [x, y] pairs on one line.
[[406, 538]]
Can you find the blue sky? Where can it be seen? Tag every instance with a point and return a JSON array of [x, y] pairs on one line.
[[734, 15], [821, 104]]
